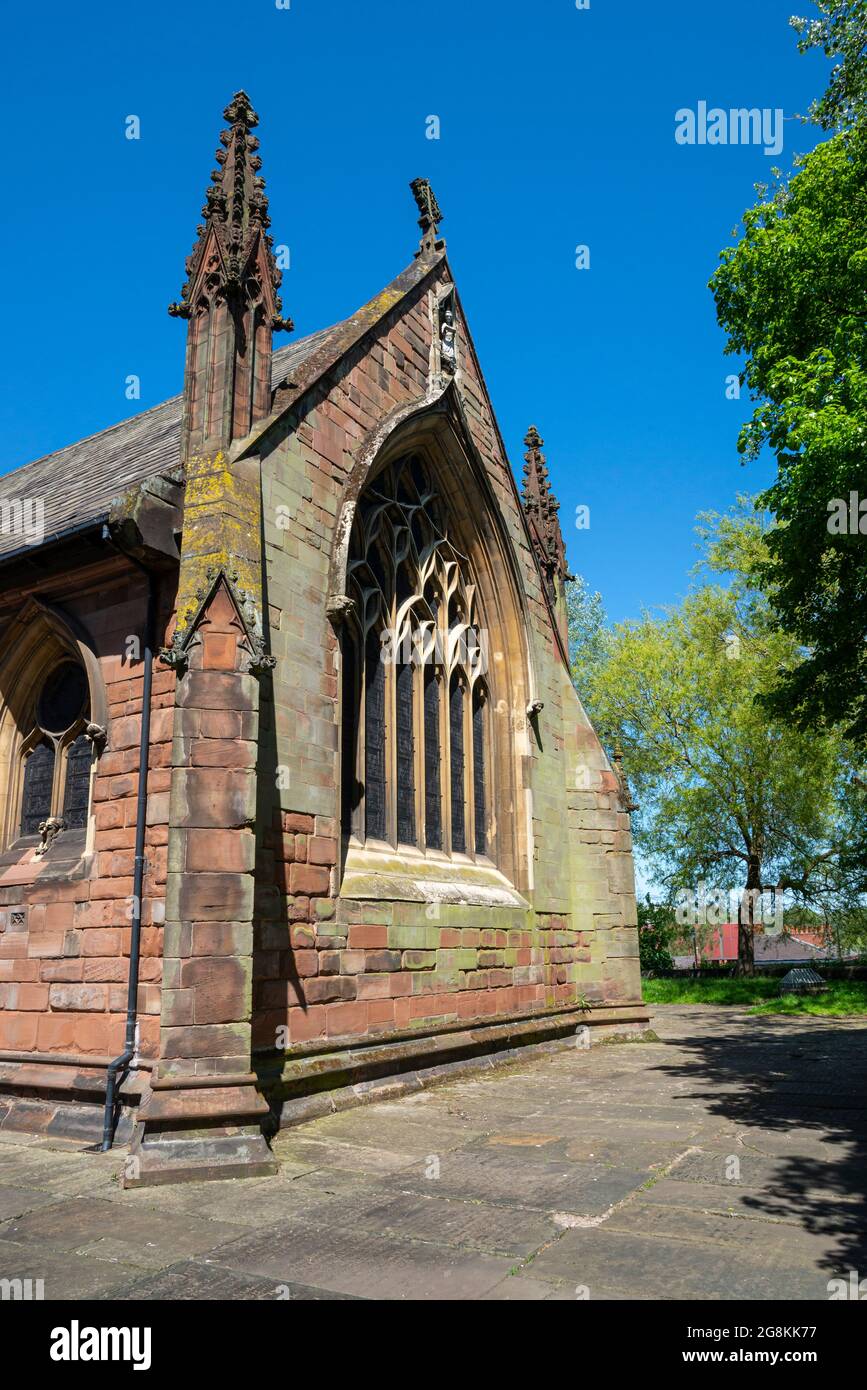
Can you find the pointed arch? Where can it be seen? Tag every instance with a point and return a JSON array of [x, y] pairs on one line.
[[43, 640], [420, 489]]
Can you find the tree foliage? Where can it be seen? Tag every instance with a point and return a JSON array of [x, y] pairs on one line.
[[587, 634], [792, 297], [841, 33], [656, 932], [730, 796]]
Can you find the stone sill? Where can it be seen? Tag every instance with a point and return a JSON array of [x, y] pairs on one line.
[[389, 876]]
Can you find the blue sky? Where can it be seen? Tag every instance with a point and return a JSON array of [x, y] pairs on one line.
[[557, 129]]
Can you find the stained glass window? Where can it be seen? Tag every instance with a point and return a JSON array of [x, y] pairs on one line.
[[456, 730], [479, 809], [76, 798], [433, 822], [374, 741], [56, 774], [405, 757], [38, 783], [416, 634]]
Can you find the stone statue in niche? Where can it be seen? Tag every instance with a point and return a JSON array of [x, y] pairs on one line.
[[448, 342]]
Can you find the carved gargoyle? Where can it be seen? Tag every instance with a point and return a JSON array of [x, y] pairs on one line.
[[49, 830]]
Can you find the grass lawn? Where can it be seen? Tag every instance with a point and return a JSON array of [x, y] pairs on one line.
[[841, 998]]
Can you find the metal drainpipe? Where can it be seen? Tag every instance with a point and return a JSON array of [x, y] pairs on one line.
[[120, 1066]]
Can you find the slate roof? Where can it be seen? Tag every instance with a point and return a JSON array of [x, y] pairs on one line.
[[79, 483]]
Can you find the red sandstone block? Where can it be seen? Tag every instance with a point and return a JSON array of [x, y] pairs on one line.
[[382, 960], [219, 988], [402, 1012], [44, 945], [374, 987], [78, 998], [220, 723], [220, 651], [352, 962], [266, 1026], [62, 971], [19, 970], [118, 864], [18, 1031], [321, 850], [149, 1036], [227, 1041], [157, 806], [216, 752], [305, 1024], [295, 823], [92, 1034], [217, 897], [345, 1018], [309, 879], [104, 970], [380, 1014], [220, 938], [101, 941], [368, 937], [111, 888], [56, 1033], [120, 787], [109, 816], [122, 838], [306, 962], [327, 988], [58, 916], [231, 851]]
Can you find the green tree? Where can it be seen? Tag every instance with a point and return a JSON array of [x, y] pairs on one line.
[[841, 33], [792, 298], [730, 797], [656, 932], [587, 632]]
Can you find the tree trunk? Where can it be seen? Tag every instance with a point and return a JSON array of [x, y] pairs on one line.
[[746, 919]]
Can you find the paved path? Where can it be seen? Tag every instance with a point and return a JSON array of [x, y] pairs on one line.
[[725, 1161]]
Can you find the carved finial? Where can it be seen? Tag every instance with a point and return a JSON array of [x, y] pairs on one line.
[[430, 216], [542, 508], [231, 293]]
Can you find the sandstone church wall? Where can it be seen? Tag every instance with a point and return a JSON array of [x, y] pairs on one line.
[[64, 947], [327, 965]]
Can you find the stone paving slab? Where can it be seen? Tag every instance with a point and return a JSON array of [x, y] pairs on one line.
[[363, 1263], [598, 1259], [17, 1201], [65, 1276], [111, 1232], [602, 1173], [188, 1282]]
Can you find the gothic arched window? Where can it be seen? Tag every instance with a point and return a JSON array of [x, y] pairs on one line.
[[416, 766], [56, 752]]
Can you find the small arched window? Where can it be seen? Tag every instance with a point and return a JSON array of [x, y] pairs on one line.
[[56, 752], [416, 768]]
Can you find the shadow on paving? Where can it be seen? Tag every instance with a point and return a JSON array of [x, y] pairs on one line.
[[775, 1077]]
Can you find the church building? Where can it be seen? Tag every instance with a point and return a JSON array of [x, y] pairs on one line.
[[298, 804]]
